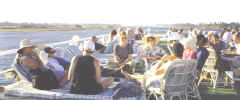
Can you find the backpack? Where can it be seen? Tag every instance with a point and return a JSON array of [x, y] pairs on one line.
[[128, 88], [44, 80]]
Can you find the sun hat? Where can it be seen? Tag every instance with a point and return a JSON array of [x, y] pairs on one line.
[[25, 43], [145, 38], [89, 46]]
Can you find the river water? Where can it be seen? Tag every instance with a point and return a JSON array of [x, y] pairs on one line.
[[10, 40]]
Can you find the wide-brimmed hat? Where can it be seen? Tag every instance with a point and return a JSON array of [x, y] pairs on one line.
[[25, 43], [145, 38]]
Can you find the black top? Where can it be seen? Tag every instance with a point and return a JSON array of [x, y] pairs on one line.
[[84, 77], [201, 56], [98, 46]]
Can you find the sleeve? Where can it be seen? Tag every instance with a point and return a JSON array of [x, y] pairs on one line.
[[201, 58], [115, 48]]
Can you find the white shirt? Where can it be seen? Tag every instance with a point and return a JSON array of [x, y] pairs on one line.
[[227, 37], [56, 68], [238, 48]]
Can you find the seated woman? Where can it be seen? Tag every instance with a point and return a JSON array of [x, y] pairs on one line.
[[58, 65], [138, 33], [149, 51], [31, 64], [159, 70], [123, 53], [189, 53], [85, 73]]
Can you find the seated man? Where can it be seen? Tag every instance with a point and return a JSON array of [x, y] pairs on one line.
[[123, 53], [160, 68], [58, 65], [31, 64], [98, 47], [150, 51]]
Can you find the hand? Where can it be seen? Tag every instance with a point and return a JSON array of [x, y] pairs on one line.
[[126, 74], [34, 54], [165, 57]]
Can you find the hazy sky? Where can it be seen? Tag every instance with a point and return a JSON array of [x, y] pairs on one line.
[[130, 12]]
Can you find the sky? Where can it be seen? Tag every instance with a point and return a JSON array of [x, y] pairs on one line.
[[125, 12]]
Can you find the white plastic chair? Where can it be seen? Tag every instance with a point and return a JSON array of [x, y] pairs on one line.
[[192, 88], [209, 68], [174, 82]]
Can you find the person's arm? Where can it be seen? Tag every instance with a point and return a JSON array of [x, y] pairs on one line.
[[72, 65], [31, 63], [116, 57], [98, 71], [127, 60]]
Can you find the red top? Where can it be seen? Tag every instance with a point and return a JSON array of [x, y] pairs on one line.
[[189, 54]]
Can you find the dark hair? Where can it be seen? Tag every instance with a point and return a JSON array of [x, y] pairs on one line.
[[151, 38], [113, 32], [201, 40], [216, 36], [48, 50], [178, 50]]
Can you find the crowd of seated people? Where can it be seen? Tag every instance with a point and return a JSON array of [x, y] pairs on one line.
[[85, 72]]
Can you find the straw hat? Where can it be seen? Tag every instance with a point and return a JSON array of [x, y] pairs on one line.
[[89, 46], [157, 39], [25, 43]]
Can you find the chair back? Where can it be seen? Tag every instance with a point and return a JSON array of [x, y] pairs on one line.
[[176, 76], [211, 60]]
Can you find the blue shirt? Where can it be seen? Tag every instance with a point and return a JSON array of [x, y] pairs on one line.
[[201, 57]]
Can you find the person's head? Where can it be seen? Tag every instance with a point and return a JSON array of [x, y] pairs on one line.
[[180, 31], [188, 44], [129, 31], [201, 40], [216, 39], [190, 29], [151, 41], [26, 47], [225, 29], [88, 48], [178, 50], [94, 39], [174, 38], [210, 35], [123, 37], [50, 51], [113, 33], [139, 30], [235, 30]]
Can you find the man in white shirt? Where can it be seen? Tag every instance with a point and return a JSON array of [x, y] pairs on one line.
[[227, 36]]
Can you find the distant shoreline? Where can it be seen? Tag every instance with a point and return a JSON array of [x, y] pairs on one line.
[[51, 29]]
